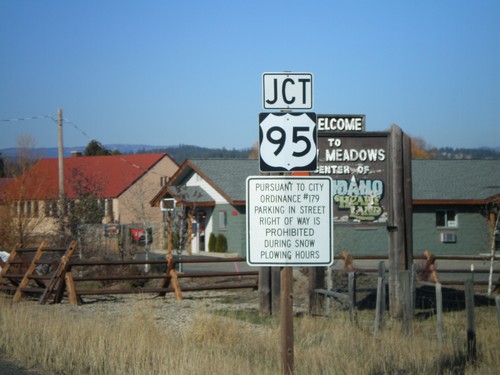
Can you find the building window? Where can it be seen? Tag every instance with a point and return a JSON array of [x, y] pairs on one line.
[[222, 219], [50, 209], [101, 203], [20, 208], [35, 209], [446, 219]]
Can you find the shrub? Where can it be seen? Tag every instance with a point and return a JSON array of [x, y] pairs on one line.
[[221, 243], [211, 242]]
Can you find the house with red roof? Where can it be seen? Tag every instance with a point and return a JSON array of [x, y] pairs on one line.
[[122, 184]]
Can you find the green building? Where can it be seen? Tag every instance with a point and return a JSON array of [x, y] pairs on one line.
[[455, 206]]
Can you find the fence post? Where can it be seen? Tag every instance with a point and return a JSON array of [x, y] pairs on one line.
[[70, 286], [275, 290], [316, 281], [497, 302], [471, 332], [439, 312], [405, 282], [380, 304], [265, 290], [413, 287], [352, 294], [329, 287]]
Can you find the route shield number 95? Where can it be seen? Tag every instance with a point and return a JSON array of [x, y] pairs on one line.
[[288, 142]]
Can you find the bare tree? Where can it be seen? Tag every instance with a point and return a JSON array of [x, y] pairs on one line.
[[254, 152], [20, 208], [86, 206], [420, 149], [183, 218]]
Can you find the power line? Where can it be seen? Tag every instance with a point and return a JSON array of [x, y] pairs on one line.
[[28, 118], [68, 121]]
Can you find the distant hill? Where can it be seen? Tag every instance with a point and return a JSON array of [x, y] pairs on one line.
[[52, 152], [179, 153], [182, 152]]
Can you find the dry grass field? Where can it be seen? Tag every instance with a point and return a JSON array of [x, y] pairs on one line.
[[222, 333]]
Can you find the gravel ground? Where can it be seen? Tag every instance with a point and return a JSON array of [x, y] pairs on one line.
[[181, 313], [173, 313]]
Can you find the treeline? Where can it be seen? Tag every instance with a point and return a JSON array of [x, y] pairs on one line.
[[467, 153], [181, 153]]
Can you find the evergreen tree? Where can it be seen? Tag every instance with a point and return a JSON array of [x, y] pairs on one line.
[[94, 148], [2, 166]]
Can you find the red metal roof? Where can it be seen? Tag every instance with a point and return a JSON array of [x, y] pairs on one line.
[[108, 176]]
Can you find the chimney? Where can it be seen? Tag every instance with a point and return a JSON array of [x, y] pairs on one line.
[[75, 154]]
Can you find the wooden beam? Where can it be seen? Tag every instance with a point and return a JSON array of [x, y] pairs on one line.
[[24, 282], [58, 276], [70, 286]]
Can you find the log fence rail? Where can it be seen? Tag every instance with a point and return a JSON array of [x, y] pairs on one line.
[[21, 277]]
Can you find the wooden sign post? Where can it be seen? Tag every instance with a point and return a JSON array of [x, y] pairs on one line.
[[289, 223]]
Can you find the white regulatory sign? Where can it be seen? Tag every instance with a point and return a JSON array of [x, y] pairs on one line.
[[288, 142], [289, 221], [287, 90]]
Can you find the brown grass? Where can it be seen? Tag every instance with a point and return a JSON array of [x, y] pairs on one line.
[[59, 341]]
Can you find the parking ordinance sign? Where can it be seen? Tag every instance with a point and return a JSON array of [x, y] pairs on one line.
[[289, 221]]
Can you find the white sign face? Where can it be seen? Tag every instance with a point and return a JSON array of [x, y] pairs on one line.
[[289, 221], [288, 142], [167, 204], [287, 90]]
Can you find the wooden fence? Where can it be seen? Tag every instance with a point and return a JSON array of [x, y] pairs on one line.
[[22, 275], [49, 272], [425, 269], [429, 267]]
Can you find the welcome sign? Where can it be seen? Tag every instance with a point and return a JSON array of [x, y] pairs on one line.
[[358, 165]]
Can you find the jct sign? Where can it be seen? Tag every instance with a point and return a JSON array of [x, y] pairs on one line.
[[287, 91], [358, 166]]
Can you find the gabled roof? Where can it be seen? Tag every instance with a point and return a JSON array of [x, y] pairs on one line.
[[5, 181], [191, 194], [111, 175], [458, 181], [226, 176]]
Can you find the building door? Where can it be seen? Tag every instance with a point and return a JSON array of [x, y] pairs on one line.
[[201, 217]]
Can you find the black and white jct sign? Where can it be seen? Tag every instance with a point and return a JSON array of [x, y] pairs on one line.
[[288, 142], [287, 91]]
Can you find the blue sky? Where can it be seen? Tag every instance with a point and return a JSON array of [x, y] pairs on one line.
[[190, 72]]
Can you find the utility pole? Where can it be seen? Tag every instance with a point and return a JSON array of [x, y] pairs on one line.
[[60, 152], [61, 176]]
